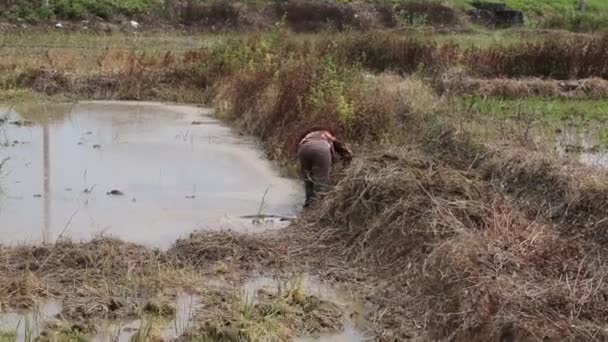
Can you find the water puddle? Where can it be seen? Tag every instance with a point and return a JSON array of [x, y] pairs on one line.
[[353, 323], [143, 172], [185, 306], [25, 326], [588, 145]]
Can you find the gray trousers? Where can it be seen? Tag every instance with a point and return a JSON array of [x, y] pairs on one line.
[[315, 163]]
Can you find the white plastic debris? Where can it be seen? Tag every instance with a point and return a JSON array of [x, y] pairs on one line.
[[59, 25], [134, 24]]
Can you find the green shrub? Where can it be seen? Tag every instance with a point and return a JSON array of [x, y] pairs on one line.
[[330, 88], [68, 9]]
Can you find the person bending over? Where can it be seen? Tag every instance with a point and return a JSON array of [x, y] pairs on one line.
[[318, 150]]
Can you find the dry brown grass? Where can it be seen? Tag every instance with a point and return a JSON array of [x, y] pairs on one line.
[[69, 269], [235, 250], [300, 93], [594, 88], [557, 190], [471, 265], [112, 279], [115, 74], [560, 59], [543, 185], [276, 316]]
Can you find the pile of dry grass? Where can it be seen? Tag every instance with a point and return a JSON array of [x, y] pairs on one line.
[[462, 261], [543, 185], [245, 251], [66, 268], [104, 271], [594, 88], [403, 195], [557, 190]]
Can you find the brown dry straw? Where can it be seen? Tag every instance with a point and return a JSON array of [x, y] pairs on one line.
[[458, 253], [389, 207], [594, 88]]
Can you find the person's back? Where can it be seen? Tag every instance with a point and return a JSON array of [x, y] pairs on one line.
[[317, 150]]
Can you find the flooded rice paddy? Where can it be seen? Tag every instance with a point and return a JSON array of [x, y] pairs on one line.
[[142, 172]]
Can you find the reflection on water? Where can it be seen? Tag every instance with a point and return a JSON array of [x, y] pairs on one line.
[[150, 328], [174, 168]]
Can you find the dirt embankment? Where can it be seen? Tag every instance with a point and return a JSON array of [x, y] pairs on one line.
[[299, 16]]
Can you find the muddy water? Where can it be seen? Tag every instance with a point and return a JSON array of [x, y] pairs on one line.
[[23, 326], [353, 310], [143, 172], [26, 326], [588, 145], [185, 307]]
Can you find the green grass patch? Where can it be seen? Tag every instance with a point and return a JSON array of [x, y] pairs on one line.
[[8, 336], [578, 112], [543, 6]]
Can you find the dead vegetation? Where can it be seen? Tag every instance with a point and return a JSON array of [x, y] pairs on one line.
[[116, 280], [471, 265], [122, 74], [563, 193], [107, 280], [229, 250], [565, 59], [509, 88], [542, 185], [282, 314]]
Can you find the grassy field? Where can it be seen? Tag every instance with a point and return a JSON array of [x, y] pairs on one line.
[[457, 219], [555, 110]]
